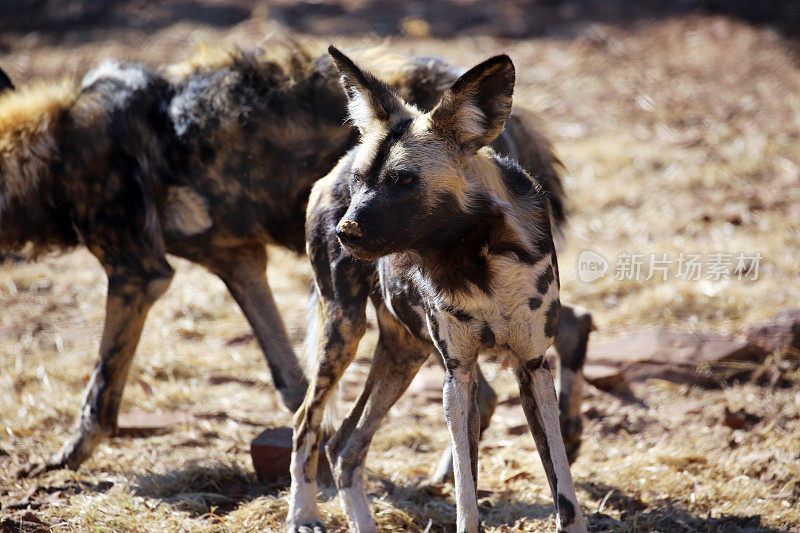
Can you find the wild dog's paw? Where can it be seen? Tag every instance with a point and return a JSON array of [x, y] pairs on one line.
[[68, 458], [311, 527], [34, 469], [30, 470], [76, 449], [304, 519], [579, 525]]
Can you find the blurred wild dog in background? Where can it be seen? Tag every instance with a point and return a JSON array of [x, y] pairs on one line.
[[210, 161]]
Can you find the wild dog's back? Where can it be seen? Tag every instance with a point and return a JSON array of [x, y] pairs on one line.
[[257, 130], [260, 127], [119, 150]]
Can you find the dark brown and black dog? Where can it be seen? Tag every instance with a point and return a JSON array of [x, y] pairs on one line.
[[453, 244], [210, 163]]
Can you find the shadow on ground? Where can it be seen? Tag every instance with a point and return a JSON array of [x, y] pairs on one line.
[[636, 516], [59, 17], [196, 488], [676, 519], [518, 19]]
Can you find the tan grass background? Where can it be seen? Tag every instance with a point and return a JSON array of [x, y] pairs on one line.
[[681, 136]]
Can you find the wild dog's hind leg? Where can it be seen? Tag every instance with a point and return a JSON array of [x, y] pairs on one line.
[[243, 270], [538, 396], [397, 359], [342, 288], [570, 343], [135, 282]]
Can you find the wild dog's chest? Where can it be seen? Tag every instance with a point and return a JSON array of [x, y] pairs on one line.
[[521, 309]]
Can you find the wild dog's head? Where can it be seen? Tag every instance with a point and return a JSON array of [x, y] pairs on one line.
[[416, 177]]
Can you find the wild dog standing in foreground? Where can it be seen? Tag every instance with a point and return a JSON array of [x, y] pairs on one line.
[[456, 241], [209, 166]]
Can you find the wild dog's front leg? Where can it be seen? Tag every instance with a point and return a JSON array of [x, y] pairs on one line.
[[487, 402], [129, 300], [340, 329], [398, 357], [342, 288], [244, 272], [570, 343], [461, 411], [539, 402]]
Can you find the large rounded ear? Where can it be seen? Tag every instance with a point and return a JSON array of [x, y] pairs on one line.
[[474, 110], [5, 82], [369, 99]]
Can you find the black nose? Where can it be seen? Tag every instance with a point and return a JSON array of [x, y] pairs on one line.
[[348, 231]]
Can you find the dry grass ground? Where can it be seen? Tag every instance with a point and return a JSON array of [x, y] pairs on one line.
[[683, 136]]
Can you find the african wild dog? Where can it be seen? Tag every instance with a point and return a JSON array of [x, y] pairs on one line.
[[453, 243], [208, 163]]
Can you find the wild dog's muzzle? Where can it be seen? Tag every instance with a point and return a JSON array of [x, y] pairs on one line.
[[349, 232], [351, 235]]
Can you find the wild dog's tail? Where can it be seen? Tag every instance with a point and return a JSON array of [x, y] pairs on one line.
[[5, 82], [535, 153], [330, 417]]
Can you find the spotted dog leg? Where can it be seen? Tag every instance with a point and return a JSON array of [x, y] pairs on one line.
[[570, 343], [342, 290], [397, 359], [460, 400], [539, 402], [243, 270], [487, 402], [133, 287], [461, 412]]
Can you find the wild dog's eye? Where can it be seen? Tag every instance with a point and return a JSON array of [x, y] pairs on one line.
[[357, 175], [403, 177]]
